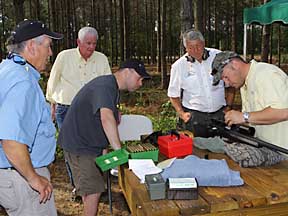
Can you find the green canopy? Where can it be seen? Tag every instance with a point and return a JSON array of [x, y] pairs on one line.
[[275, 10]]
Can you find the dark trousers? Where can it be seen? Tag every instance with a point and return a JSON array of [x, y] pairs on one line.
[[200, 122]]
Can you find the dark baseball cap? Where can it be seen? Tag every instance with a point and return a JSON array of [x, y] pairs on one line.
[[137, 65], [219, 62], [29, 29]]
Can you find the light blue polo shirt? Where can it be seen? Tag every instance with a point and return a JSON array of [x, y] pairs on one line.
[[25, 114]]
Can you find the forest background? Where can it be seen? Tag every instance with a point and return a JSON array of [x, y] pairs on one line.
[[149, 29]]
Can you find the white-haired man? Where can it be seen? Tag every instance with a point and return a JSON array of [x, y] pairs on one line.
[[190, 90], [72, 69], [27, 133]]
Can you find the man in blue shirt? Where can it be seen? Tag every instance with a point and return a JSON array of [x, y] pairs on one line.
[[27, 133]]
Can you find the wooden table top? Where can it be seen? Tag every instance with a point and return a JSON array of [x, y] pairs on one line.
[[265, 192]]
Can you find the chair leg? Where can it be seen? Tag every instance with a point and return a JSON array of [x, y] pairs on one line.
[[109, 192]]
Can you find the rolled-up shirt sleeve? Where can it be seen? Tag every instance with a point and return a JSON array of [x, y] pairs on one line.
[[174, 89]]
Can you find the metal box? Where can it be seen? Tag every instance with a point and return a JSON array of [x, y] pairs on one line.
[[156, 186]]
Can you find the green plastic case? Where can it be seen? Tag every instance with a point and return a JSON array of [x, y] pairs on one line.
[[112, 159]]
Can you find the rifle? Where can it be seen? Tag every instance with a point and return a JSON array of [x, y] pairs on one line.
[[241, 134]]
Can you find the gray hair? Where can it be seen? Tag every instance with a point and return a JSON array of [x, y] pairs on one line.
[[19, 47], [87, 30], [191, 35]]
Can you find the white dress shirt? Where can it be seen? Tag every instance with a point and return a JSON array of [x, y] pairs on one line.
[[196, 81]]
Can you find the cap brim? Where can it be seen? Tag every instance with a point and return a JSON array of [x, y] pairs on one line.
[[54, 35], [146, 75]]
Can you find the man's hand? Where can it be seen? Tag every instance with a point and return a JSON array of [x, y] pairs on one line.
[[41, 185], [234, 117], [185, 116], [18, 156]]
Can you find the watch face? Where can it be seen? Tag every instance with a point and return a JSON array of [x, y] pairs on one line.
[[246, 116]]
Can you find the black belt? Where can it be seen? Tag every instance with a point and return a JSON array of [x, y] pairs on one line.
[[64, 105], [209, 113], [8, 168]]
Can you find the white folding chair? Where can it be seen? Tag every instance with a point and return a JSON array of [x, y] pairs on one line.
[[131, 128]]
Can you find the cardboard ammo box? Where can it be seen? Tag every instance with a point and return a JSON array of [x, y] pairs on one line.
[[112, 159], [175, 145], [182, 188], [143, 151], [156, 186]]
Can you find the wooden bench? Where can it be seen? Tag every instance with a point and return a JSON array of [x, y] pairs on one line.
[[265, 192]]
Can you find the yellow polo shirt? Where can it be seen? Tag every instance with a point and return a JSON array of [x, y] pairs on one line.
[[71, 72], [267, 86]]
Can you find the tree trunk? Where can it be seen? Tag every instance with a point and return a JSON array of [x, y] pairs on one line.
[[198, 15], [209, 36], [216, 42], [187, 19], [148, 29], [164, 80], [127, 49], [152, 41], [2, 36], [116, 3], [234, 27], [265, 41], [271, 45], [19, 10], [122, 27], [159, 35], [279, 45]]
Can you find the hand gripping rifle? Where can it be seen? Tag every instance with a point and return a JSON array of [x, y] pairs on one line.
[[243, 134]]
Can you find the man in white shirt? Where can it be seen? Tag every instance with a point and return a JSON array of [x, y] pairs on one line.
[[191, 92]]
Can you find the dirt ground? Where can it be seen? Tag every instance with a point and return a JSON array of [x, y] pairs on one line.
[[66, 207]]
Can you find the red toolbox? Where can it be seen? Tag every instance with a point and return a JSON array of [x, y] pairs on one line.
[[175, 145]]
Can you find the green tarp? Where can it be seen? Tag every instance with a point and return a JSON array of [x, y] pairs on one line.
[[275, 10]]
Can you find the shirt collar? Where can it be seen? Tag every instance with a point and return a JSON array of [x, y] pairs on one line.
[[34, 72], [250, 72]]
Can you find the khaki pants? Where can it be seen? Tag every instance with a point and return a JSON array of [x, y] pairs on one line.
[[18, 198]]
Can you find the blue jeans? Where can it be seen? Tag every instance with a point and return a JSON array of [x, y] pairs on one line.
[[61, 111]]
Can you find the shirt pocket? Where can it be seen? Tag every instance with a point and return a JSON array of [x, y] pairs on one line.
[[46, 126], [191, 84]]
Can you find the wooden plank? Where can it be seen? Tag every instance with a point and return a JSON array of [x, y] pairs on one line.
[[191, 207], [147, 207], [280, 209], [229, 198], [131, 184]]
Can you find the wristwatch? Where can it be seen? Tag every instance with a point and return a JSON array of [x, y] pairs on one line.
[[246, 116]]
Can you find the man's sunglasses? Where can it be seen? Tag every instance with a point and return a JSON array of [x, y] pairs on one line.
[[16, 58]]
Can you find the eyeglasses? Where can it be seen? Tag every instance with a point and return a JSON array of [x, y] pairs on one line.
[[16, 58]]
